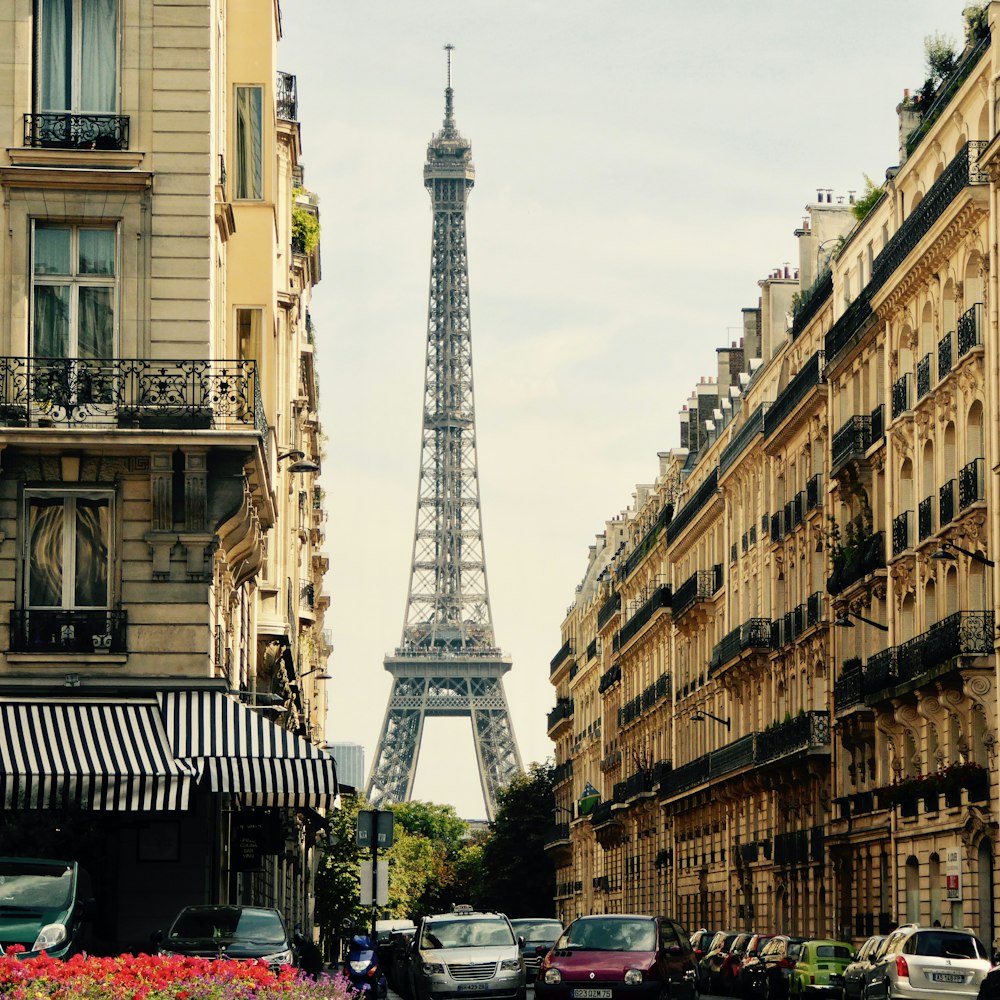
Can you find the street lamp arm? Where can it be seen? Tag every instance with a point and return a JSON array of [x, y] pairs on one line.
[[976, 556], [699, 716]]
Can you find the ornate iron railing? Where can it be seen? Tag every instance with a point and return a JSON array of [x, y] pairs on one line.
[[878, 424], [854, 317], [63, 631], [286, 97], [923, 376], [661, 598], [944, 355], [847, 688], [946, 503], [971, 483], [925, 518], [740, 441], [851, 441], [867, 556], [63, 130], [965, 633], [565, 651], [777, 526], [970, 326], [901, 394], [724, 651], [130, 393], [814, 608], [693, 505], [814, 492], [699, 586], [647, 542], [811, 300], [557, 833], [901, 532], [807, 378], [610, 676], [608, 610], [562, 772], [810, 729], [563, 710], [592, 649]]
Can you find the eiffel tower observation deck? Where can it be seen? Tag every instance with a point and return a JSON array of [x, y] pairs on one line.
[[447, 662]]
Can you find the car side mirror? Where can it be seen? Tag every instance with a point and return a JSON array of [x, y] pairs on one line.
[[156, 938]]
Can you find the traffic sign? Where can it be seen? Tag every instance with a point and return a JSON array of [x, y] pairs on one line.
[[375, 828]]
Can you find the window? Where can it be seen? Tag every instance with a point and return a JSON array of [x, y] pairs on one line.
[[74, 279], [68, 543], [76, 56], [249, 139]]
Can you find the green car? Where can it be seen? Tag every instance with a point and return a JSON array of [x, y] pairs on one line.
[[819, 969]]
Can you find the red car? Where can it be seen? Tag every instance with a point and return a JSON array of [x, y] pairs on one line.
[[619, 957]]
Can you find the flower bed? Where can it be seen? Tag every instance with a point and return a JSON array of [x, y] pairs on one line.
[[157, 977]]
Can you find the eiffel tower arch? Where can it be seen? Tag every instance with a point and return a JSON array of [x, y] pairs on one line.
[[447, 663]]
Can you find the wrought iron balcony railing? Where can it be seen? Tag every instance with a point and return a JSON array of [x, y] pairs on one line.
[[802, 383], [811, 300], [971, 483], [699, 586], [610, 676], [286, 97], [925, 518], [878, 424], [562, 772], [777, 526], [810, 729], [902, 532], [660, 598], [851, 441], [866, 557], [814, 492], [307, 596], [693, 505], [944, 355], [946, 503], [847, 688], [65, 130], [814, 608], [755, 633], [608, 610], [61, 631], [740, 441], [130, 393], [732, 552], [558, 833], [901, 394], [923, 376], [563, 710], [647, 542], [970, 326]]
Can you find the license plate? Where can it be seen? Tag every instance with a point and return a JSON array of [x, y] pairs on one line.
[[947, 977], [590, 994], [473, 987]]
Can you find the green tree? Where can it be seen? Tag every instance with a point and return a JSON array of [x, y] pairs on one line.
[[435, 822], [516, 875], [338, 878]]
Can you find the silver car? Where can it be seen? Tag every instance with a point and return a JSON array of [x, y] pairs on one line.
[[467, 954], [926, 963], [854, 973]]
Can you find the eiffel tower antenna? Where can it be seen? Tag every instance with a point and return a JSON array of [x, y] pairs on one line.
[[447, 662]]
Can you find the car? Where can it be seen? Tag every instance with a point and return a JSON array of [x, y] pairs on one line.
[[398, 970], [619, 957], [710, 965], [925, 962], [455, 954], [749, 957], [855, 971], [732, 963], [768, 974], [819, 968], [229, 931], [46, 905], [700, 940], [539, 934]]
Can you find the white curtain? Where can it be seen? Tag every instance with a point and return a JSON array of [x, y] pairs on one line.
[[53, 55], [98, 56]]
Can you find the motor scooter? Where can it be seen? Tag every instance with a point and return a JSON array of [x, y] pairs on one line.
[[363, 969]]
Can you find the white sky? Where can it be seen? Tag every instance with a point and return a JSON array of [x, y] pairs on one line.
[[640, 165]]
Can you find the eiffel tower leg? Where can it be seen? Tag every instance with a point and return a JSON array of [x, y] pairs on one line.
[[496, 749], [395, 765]]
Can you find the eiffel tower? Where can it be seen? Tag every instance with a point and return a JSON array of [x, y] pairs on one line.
[[447, 663]]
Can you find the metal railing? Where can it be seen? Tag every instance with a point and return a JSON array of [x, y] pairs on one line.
[[740, 441], [971, 483], [946, 503], [814, 492], [878, 424], [850, 442], [563, 710], [693, 505], [901, 394], [847, 692], [970, 325], [660, 598], [610, 676], [925, 518], [806, 379], [565, 652], [867, 556], [130, 392], [944, 355], [608, 610], [64, 130], [63, 631], [646, 543], [810, 729], [286, 97], [814, 608], [923, 376], [901, 532], [811, 300], [699, 586]]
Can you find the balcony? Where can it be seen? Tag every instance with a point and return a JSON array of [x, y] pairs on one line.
[[740, 441], [847, 692], [801, 384], [811, 300], [865, 557], [561, 713], [850, 442], [693, 505], [777, 526], [59, 631], [307, 596], [878, 424], [902, 532], [565, 652], [970, 326], [633, 786], [647, 542], [971, 483], [63, 130], [661, 598], [944, 355], [558, 834], [608, 610], [286, 97], [901, 395], [610, 676], [130, 393], [814, 492], [806, 731], [814, 609], [946, 503], [698, 587], [923, 376], [925, 518], [799, 847], [562, 772]]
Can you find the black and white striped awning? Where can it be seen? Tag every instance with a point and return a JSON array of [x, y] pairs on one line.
[[240, 752], [106, 755]]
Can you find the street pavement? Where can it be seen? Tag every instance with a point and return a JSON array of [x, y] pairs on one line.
[[531, 995]]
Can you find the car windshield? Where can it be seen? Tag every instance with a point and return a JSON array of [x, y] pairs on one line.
[[231, 922], [610, 934], [537, 930], [941, 944], [29, 885], [833, 951], [465, 933]]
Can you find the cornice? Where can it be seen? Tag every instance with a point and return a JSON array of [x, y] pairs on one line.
[[59, 178]]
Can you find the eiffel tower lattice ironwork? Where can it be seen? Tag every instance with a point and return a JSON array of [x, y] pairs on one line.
[[447, 663]]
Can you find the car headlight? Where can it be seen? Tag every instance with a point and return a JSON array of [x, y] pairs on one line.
[[278, 958], [50, 936], [633, 977], [433, 969], [510, 965], [553, 977]]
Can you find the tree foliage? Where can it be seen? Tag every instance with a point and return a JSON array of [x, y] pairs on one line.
[[516, 876]]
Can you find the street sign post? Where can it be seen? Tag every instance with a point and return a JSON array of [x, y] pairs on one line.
[[376, 831]]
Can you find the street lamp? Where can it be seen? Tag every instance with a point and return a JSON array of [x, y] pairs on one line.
[[299, 461], [322, 677], [948, 550], [842, 621], [700, 715]]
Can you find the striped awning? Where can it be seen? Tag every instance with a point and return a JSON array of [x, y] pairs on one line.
[[239, 751], [106, 755]]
